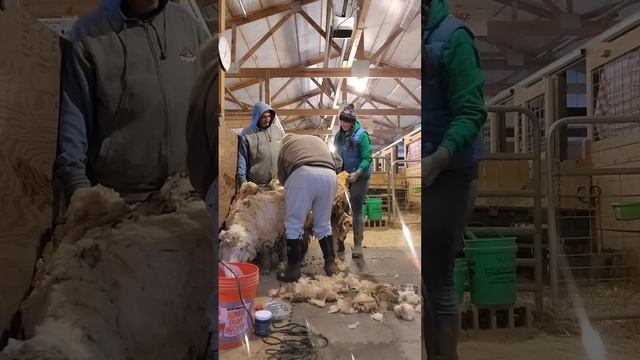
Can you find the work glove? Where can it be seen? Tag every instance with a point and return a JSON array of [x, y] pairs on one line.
[[353, 177], [434, 164]]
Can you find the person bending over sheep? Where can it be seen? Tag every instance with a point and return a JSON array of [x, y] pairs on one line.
[[307, 170]]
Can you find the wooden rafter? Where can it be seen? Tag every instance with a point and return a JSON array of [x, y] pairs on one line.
[[243, 114], [408, 91], [265, 37], [385, 117], [282, 88], [366, 97], [529, 7], [324, 89], [234, 99], [319, 30], [266, 12], [302, 98], [321, 72]]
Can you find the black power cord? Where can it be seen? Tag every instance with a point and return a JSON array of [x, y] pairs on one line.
[[295, 343]]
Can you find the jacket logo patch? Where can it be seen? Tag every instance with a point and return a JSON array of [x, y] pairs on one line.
[[187, 56]]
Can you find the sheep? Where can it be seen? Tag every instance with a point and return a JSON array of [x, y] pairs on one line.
[[256, 219], [133, 283]]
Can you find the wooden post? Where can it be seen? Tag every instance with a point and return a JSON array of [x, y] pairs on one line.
[[267, 89], [221, 74]]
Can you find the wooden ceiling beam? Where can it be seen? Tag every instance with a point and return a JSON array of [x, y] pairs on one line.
[[408, 91], [319, 30], [266, 12], [243, 114], [302, 72], [529, 7], [265, 37]]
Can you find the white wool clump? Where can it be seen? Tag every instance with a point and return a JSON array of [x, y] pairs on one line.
[[256, 219], [410, 297], [418, 308], [377, 317], [348, 294], [404, 311], [136, 286]]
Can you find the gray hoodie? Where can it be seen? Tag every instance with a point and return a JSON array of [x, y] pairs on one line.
[[125, 90]]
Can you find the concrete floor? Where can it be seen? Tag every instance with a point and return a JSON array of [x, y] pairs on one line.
[[385, 261]]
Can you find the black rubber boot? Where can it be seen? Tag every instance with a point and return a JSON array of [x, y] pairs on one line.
[[448, 326], [326, 244], [292, 272], [356, 253]]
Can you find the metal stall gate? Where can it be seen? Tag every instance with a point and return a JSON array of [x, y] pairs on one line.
[[401, 201], [533, 231], [602, 260]]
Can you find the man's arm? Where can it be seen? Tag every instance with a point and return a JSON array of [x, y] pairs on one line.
[[464, 85], [202, 128], [281, 169], [76, 112], [242, 159], [365, 152]]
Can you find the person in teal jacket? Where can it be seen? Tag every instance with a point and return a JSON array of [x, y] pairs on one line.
[[353, 145], [453, 113]]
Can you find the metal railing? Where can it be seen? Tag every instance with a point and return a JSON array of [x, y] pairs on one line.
[[394, 202], [560, 261], [535, 194]]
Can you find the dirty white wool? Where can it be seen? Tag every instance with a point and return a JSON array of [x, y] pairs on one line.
[[134, 283]]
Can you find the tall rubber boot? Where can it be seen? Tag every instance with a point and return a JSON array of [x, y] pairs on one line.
[[356, 253], [326, 244], [292, 272], [448, 326]]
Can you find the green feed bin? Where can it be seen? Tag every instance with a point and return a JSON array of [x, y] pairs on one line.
[[492, 263], [460, 272], [374, 208], [627, 210]]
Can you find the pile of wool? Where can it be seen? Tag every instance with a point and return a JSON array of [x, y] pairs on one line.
[[122, 282], [349, 295], [256, 219]]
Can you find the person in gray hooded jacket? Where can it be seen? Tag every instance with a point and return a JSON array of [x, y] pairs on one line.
[[259, 146], [128, 70]]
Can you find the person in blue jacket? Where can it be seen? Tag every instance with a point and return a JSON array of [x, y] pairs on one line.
[[353, 144], [453, 114]]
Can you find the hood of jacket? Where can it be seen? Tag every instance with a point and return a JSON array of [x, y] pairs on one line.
[[258, 109], [439, 11], [115, 7]]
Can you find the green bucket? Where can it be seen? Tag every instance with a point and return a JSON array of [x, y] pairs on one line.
[[460, 272], [492, 265]]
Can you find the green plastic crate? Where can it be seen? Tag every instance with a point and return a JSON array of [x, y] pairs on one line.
[[627, 210]]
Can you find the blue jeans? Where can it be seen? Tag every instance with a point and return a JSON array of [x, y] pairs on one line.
[[357, 193], [444, 218]]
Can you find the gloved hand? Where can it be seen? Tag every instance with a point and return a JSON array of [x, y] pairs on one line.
[[353, 177], [433, 165]]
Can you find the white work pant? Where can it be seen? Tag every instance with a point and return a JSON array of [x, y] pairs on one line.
[[310, 188]]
